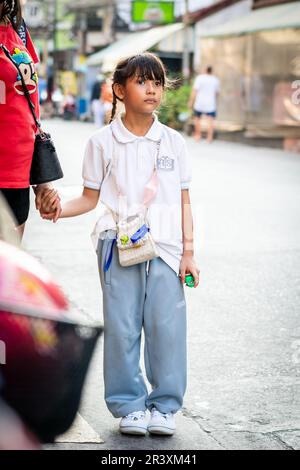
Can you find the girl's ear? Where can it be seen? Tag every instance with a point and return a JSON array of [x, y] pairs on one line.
[[119, 91]]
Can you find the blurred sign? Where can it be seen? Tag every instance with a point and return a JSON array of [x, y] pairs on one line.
[[80, 64], [34, 14], [152, 12], [68, 82], [286, 109]]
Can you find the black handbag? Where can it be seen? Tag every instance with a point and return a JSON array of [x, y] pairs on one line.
[[45, 166]]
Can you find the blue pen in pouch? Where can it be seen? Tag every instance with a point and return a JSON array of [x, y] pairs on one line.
[[139, 234]]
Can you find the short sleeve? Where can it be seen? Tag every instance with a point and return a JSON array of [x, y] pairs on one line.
[[93, 170], [184, 164]]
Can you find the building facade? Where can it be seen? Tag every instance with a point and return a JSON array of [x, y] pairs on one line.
[[257, 58]]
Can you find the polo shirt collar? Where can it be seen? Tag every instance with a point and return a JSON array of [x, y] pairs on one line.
[[123, 135]]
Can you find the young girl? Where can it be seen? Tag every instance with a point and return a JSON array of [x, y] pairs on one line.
[[121, 159]]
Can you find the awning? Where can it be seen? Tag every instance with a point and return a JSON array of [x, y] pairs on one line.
[[132, 43], [286, 16], [77, 5]]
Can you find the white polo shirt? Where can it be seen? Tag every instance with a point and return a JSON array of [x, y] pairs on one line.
[[135, 163]]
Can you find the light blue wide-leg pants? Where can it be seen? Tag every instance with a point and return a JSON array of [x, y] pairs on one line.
[[133, 300]]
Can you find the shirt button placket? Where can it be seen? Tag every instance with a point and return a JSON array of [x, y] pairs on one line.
[[139, 155]]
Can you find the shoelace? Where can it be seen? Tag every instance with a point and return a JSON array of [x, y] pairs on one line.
[[158, 413], [136, 415]]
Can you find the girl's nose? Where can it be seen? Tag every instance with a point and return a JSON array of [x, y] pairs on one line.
[[150, 87]]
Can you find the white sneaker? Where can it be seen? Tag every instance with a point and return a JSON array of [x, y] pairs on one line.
[[134, 423], [161, 423]]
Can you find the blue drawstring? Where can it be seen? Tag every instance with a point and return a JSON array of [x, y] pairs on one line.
[[109, 260], [135, 238]]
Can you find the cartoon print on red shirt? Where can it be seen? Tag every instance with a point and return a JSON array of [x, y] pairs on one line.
[[17, 126], [27, 70]]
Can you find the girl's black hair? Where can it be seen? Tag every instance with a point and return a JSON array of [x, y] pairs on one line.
[[146, 66], [13, 11]]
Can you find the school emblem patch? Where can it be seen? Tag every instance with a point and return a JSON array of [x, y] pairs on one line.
[[165, 163]]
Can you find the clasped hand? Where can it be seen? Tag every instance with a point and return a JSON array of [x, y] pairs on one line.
[[48, 203]]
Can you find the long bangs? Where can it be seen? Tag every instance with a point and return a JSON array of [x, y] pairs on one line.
[[146, 66]]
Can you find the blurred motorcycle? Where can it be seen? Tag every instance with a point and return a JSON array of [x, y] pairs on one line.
[[45, 351]]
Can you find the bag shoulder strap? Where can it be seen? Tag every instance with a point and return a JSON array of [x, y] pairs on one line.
[[22, 32]]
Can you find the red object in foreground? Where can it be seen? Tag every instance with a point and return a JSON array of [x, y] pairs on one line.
[[45, 349]]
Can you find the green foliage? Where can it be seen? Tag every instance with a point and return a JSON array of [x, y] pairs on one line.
[[174, 103]]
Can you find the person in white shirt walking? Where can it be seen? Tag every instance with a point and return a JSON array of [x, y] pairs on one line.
[[136, 152], [203, 101]]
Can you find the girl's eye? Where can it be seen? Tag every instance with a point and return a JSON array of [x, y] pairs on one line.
[[143, 82]]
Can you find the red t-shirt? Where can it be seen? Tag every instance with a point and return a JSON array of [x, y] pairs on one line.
[[17, 126]]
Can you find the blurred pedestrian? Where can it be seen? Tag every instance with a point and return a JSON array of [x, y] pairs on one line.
[[203, 101], [69, 106], [42, 88], [135, 159], [17, 127], [57, 98], [97, 104], [107, 98]]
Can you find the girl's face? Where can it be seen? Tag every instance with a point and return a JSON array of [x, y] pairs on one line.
[[140, 95]]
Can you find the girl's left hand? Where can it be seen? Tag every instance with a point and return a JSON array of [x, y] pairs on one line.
[[188, 266]]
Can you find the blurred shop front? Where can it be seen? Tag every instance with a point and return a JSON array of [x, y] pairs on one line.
[[257, 58], [166, 41]]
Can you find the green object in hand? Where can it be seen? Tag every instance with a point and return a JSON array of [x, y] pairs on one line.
[[189, 280], [124, 239]]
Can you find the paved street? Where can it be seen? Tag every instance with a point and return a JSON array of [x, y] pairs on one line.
[[244, 329]]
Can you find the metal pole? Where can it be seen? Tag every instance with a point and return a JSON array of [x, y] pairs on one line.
[[114, 17], [55, 44], [82, 54], [186, 72]]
